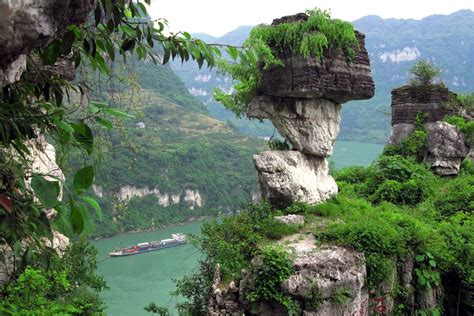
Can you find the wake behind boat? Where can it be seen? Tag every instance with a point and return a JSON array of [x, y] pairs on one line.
[[175, 240]]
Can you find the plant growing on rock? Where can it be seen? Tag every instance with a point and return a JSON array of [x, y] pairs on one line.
[[424, 73], [309, 37]]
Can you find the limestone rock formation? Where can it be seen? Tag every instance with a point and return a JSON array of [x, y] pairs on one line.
[[29, 24], [327, 281], [446, 149], [289, 176], [303, 100], [334, 78], [311, 125]]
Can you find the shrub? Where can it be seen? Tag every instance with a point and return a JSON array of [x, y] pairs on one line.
[[424, 73], [272, 268], [456, 196], [466, 127]]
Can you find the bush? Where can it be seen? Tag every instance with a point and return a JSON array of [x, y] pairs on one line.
[[456, 196], [424, 73], [466, 127]]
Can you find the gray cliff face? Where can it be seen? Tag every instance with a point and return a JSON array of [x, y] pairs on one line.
[[32, 24], [303, 100], [446, 147]]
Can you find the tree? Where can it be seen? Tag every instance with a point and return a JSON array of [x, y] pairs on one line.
[[424, 73], [43, 103]]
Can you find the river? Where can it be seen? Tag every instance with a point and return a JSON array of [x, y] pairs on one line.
[[135, 281]]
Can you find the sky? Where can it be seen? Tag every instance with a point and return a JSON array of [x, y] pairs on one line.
[[217, 17]]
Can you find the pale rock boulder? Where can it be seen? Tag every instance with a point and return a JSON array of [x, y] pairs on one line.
[[292, 219], [446, 148], [310, 125], [290, 176], [329, 281]]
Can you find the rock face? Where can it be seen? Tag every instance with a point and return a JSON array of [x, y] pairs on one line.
[[446, 148], [333, 78], [432, 100], [29, 24], [327, 281], [303, 101], [289, 176], [311, 125]]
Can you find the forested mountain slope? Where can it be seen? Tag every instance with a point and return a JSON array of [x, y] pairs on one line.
[[173, 161], [393, 46]]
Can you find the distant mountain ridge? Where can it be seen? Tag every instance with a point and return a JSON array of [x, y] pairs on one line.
[[393, 45]]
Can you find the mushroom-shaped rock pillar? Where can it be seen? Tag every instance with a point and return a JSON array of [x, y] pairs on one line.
[[303, 100]]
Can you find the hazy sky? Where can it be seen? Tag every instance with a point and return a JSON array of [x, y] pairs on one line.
[[217, 17]]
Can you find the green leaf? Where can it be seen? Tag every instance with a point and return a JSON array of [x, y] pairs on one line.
[[166, 56], [432, 263], [233, 52], [83, 135], [66, 44], [128, 44], [62, 222], [93, 203], [64, 126], [77, 219], [46, 191], [105, 123], [420, 258], [83, 179], [92, 108], [117, 113]]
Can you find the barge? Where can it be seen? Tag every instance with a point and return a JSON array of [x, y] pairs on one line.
[[175, 240]]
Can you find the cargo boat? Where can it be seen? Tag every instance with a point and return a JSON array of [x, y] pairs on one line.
[[175, 240]]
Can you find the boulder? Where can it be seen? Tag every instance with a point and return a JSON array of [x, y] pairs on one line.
[[292, 219], [290, 176], [310, 125], [329, 281], [334, 78], [446, 148]]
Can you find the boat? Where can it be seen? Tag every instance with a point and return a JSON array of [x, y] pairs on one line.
[[175, 240]]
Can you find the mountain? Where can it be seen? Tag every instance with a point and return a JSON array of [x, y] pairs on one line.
[[173, 161], [393, 45]]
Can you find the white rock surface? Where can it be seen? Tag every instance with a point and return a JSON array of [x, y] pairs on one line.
[[310, 125], [291, 219], [446, 148], [192, 198], [290, 176]]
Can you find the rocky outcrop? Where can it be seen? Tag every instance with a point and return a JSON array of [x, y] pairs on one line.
[[326, 281], [432, 101], [303, 100], [291, 176], [446, 148], [333, 78], [310, 125], [29, 24], [292, 219]]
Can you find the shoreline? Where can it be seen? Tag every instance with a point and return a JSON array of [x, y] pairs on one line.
[[138, 231]]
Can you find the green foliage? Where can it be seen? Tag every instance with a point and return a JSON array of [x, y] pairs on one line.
[[456, 196], [315, 36], [276, 144], [466, 127], [424, 73], [68, 286], [273, 267], [398, 180], [153, 308], [341, 296], [427, 276]]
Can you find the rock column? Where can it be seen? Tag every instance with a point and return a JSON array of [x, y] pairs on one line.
[[303, 100]]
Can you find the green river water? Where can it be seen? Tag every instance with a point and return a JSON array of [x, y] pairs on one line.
[[134, 281]]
